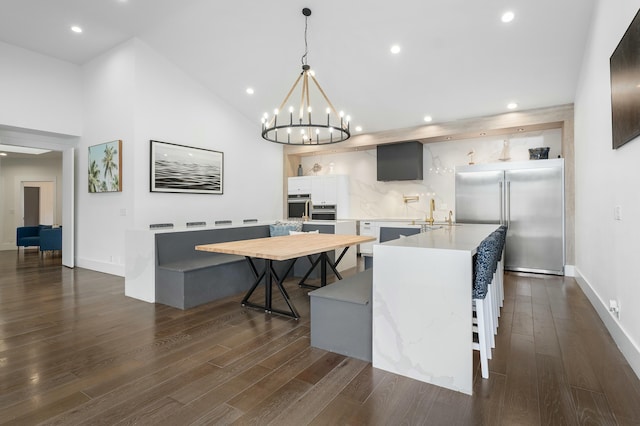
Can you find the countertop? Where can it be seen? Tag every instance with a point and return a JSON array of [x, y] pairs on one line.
[[465, 237]]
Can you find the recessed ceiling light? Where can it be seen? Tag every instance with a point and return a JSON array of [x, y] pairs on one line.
[[358, 128], [521, 129], [395, 49], [3, 154], [512, 105], [483, 134], [76, 29], [428, 118], [249, 91], [508, 16]]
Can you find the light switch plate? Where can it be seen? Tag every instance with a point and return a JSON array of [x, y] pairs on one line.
[[617, 213]]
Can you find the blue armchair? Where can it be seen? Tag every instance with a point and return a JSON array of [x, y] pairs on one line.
[[51, 239], [29, 236]]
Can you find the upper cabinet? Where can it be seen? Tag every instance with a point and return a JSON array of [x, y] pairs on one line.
[[299, 185], [324, 190]]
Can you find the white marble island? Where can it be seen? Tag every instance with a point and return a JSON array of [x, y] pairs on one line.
[[422, 305]]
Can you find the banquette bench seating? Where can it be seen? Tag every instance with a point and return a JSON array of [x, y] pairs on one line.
[[186, 278]]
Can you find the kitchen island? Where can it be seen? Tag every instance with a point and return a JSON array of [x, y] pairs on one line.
[[422, 315]]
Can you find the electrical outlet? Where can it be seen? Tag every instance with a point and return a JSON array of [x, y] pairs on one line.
[[614, 308]]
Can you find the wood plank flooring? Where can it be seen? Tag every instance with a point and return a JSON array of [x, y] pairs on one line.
[[75, 350]]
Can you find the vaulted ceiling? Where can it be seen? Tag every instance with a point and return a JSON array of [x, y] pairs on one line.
[[457, 58]]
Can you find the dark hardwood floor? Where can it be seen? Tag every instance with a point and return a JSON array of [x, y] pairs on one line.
[[75, 350]]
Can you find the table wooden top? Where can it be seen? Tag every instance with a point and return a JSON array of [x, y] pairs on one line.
[[286, 247]]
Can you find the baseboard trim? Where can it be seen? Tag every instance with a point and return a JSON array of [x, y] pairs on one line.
[[94, 265], [625, 343], [569, 270]]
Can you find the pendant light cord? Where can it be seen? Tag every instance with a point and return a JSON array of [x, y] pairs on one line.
[[303, 60]]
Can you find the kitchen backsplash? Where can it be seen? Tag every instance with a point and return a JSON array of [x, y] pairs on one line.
[[370, 199]]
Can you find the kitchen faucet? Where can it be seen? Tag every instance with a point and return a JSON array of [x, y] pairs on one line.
[[432, 207], [306, 211]]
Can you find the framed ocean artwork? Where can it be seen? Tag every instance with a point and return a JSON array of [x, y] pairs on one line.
[[185, 169]]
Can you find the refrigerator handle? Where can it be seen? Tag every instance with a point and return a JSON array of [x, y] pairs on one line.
[[508, 205], [501, 204]]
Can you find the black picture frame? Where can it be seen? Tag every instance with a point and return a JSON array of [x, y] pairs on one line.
[[185, 169], [624, 66]]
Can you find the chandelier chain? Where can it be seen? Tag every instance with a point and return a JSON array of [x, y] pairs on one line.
[[303, 60]]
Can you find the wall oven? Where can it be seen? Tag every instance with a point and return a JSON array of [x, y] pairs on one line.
[[298, 205], [324, 212]]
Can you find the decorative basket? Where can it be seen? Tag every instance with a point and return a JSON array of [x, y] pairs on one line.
[[541, 153]]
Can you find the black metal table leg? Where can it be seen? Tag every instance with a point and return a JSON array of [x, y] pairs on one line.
[[268, 275], [324, 260]]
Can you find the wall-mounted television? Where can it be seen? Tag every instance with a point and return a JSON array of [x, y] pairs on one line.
[[400, 161], [625, 86]]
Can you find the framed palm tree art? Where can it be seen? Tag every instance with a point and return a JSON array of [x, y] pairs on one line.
[[105, 167]]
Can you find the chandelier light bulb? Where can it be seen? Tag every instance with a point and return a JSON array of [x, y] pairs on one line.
[[275, 111], [328, 110], [291, 109]]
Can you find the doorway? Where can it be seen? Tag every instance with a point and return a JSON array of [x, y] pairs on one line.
[[31, 205], [39, 201]]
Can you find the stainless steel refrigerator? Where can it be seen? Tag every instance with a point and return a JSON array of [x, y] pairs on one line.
[[526, 196]]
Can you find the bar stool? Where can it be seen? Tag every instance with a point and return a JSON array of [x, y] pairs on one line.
[[502, 233], [494, 241], [482, 276]]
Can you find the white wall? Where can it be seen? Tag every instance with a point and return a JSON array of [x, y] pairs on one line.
[[39, 92], [607, 250], [370, 199], [14, 171], [108, 102], [133, 94]]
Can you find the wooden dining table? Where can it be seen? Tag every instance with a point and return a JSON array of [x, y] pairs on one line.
[[286, 248]]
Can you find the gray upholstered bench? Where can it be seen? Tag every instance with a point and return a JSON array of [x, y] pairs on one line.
[[186, 278], [341, 316]]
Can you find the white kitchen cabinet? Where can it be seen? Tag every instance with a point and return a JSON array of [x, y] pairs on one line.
[[299, 185], [370, 229], [324, 190]]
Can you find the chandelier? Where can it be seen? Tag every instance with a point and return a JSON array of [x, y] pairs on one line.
[[306, 126]]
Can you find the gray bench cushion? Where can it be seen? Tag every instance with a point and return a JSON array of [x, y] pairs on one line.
[[353, 289], [341, 316], [193, 264]]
